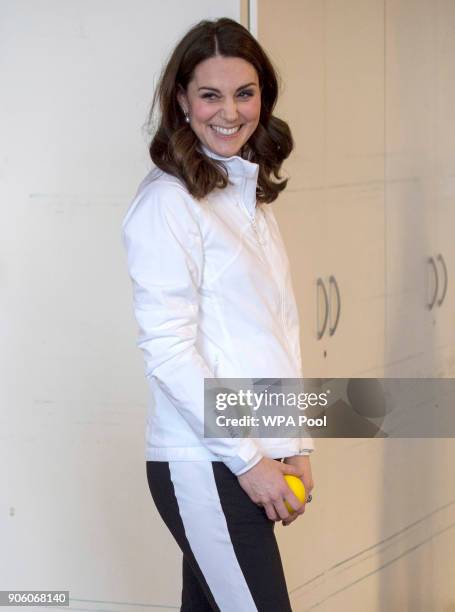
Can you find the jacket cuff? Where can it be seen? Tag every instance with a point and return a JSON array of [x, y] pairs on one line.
[[245, 459], [306, 443]]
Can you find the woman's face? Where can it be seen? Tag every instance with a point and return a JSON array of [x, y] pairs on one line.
[[224, 93]]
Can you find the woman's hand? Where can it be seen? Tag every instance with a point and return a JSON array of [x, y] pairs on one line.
[[265, 485], [303, 466]]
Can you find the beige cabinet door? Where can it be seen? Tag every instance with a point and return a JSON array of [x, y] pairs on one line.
[[332, 213], [355, 219], [303, 223], [409, 182], [420, 188], [443, 319]]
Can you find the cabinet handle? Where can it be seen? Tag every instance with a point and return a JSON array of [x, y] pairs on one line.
[[320, 283], [444, 267], [436, 284], [332, 281]]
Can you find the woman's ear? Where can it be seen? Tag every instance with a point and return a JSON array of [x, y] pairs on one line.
[[182, 99]]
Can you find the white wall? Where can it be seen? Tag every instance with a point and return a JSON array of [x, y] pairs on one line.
[[76, 81]]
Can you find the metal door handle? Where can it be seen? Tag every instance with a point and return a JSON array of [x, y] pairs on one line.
[[332, 281], [433, 299], [320, 283], [444, 267]]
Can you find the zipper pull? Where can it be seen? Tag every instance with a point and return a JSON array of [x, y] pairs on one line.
[[259, 237]]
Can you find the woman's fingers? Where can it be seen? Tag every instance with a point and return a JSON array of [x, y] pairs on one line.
[[289, 520], [287, 468], [309, 485], [295, 502], [295, 515], [281, 509], [271, 512], [297, 505]]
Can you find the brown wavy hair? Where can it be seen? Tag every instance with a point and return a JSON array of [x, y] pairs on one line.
[[174, 146]]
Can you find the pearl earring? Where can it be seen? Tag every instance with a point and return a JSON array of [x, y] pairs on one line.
[[187, 117]]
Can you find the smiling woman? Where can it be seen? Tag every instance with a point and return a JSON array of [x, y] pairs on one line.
[[219, 88], [213, 298]]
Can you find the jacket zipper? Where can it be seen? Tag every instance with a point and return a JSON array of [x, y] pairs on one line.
[[256, 231], [216, 365]]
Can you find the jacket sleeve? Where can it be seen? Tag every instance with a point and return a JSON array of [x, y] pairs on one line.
[[306, 442], [165, 256], [306, 445], [306, 451]]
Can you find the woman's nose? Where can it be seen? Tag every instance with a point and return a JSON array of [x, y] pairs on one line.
[[229, 111]]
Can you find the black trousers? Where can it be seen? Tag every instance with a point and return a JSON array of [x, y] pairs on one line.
[[231, 561]]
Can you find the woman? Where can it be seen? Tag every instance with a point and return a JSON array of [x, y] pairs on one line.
[[213, 298]]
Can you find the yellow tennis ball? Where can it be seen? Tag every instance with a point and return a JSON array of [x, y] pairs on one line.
[[297, 487]]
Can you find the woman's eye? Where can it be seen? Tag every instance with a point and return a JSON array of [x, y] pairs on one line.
[[209, 95]]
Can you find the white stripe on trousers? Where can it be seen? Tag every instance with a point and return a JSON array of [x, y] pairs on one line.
[[207, 533]]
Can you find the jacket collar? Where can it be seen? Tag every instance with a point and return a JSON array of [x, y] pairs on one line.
[[243, 174]]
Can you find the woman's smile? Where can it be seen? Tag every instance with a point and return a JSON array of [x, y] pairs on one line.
[[226, 133]]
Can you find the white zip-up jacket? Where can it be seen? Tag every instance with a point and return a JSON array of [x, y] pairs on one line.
[[213, 298]]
